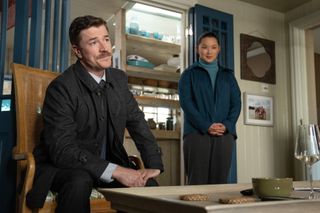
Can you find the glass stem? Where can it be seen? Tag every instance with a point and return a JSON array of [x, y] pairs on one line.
[[310, 177]]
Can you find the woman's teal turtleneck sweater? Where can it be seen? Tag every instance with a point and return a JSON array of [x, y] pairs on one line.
[[212, 69]]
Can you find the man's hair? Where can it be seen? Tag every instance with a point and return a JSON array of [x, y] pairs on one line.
[[205, 35], [82, 23]]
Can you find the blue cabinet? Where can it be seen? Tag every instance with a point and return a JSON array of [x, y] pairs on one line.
[[7, 164]]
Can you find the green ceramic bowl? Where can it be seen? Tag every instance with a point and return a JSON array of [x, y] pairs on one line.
[[272, 187]]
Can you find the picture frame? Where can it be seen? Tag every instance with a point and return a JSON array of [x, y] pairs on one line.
[[257, 59], [258, 109]]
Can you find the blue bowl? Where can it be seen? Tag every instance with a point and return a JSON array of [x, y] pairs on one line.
[[140, 63]]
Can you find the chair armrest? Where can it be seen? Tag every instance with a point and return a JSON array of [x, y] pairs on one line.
[[26, 164], [19, 156], [31, 166], [137, 161]]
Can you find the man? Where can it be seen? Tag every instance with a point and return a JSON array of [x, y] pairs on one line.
[[85, 113]]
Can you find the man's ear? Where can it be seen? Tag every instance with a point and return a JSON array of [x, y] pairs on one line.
[[76, 51]]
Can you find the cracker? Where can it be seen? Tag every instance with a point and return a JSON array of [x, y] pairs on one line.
[[237, 200], [195, 197]]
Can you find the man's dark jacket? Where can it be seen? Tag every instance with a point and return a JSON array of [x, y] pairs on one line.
[[74, 128]]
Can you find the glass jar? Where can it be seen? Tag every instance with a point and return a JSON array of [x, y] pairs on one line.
[[169, 123], [134, 26], [152, 124]]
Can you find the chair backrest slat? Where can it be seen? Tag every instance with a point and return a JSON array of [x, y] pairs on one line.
[[30, 86]]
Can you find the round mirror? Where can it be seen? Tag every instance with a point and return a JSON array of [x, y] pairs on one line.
[[258, 60]]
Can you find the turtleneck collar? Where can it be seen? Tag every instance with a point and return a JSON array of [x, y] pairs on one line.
[[209, 66]]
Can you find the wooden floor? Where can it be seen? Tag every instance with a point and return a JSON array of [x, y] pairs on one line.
[[97, 206]]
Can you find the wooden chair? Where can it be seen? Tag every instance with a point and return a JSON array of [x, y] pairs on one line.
[[30, 85]]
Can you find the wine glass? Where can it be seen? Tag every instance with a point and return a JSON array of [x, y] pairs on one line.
[[307, 148]]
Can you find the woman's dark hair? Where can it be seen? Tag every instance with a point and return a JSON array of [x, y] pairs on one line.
[[205, 35], [82, 23]]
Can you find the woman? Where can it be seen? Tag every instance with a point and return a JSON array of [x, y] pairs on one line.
[[211, 101]]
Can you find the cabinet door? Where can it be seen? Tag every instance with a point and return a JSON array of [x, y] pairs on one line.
[[204, 19], [7, 164]]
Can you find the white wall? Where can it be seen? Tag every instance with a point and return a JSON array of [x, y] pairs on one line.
[[316, 35], [304, 10], [305, 18]]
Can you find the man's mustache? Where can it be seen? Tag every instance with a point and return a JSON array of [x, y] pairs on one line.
[[105, 54]]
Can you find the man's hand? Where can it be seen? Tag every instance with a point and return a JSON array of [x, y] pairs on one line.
[[129, 177], [149, 173], [217, 129], [134, 178]]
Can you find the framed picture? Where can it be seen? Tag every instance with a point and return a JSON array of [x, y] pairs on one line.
[[258, 110], [257, 59]]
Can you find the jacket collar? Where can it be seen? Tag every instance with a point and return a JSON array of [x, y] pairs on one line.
[[198, 66], [88, 81]]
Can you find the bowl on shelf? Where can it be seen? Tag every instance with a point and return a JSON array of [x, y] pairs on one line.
[[137, 63], [166, 68], [272, 187]]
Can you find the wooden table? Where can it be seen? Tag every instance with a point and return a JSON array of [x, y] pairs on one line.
[[166, 199]]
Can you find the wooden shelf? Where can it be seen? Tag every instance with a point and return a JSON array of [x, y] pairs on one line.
[[141, 72], [155, 51], [161, 134], [166, 134], [141, 43], [157, 102], [156, 87]]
